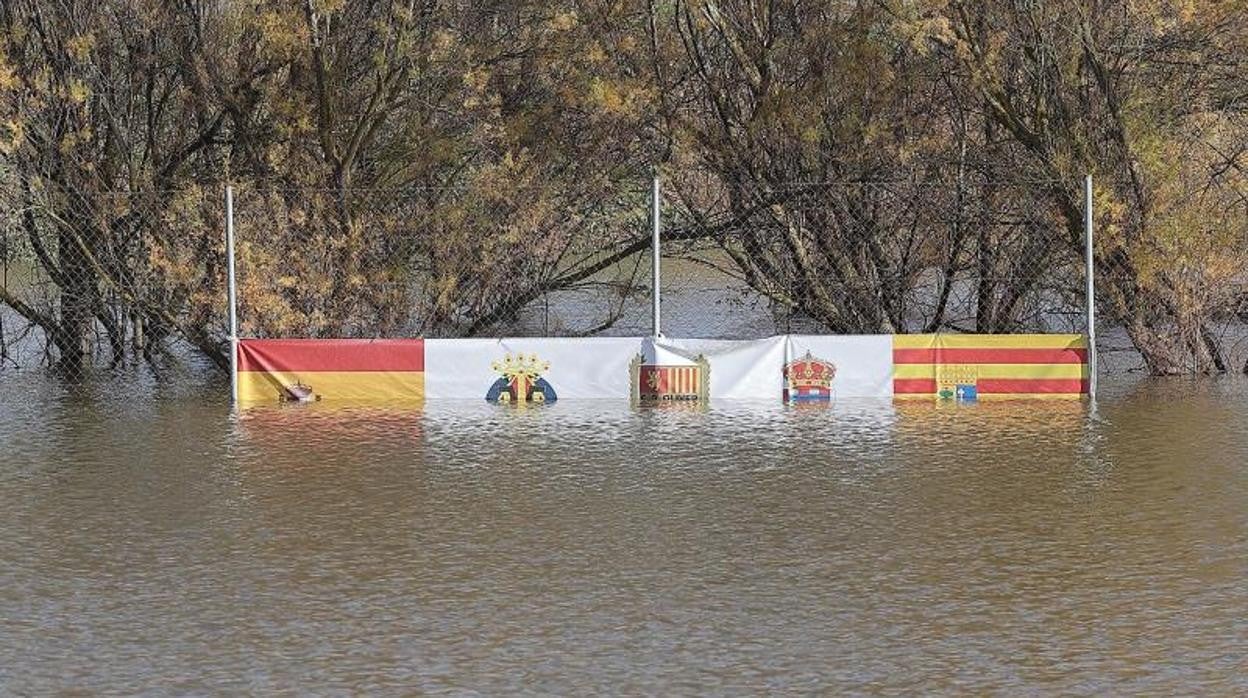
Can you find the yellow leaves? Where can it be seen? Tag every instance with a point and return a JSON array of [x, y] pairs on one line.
[[72, 139], [564, 21], [1187, 10], [1191, 243], [442, 43], [922, 33], [606, 96], [77, 92], [328, 7], [617, 98], [80, 46], [476, 79], [8, 75], [445, 291], [283, 32], [1166, 15]]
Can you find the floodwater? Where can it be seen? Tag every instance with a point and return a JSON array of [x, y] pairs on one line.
[[163, 544]]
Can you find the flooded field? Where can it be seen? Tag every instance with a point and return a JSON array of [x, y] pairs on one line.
[[164, 543]]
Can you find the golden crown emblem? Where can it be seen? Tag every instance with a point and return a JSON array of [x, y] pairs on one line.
[[520, 365], [809, 371]]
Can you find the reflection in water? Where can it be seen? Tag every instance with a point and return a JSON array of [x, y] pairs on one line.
[[307, 428], [594, 546]]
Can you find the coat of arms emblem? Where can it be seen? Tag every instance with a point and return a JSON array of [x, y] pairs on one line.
[[808, 379], [957, 382], [686, 382], [520, 380]]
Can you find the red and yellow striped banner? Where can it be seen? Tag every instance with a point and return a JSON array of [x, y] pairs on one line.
[[991, 366], [354, 370]]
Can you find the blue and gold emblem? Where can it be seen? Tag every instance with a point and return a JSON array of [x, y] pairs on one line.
[[520, 380], [957, 382]]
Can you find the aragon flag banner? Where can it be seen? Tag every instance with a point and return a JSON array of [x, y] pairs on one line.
[[970, 367], [338, 370]]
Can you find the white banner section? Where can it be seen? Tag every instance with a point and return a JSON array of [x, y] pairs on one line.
[[796, 368], [844, 366], [529, 369], [738, 369]]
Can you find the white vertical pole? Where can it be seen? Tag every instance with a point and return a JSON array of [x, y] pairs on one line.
[[232, 291], [1090, 275], [655, 218]]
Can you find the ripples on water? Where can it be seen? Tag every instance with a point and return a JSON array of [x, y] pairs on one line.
[[592, 547]]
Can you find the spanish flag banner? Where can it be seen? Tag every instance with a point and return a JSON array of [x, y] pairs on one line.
[[970, 367], [339, 370]]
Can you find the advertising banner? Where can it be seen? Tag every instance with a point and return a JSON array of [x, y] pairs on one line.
[[309, 370]]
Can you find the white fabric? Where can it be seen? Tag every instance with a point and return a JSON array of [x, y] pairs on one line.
[[580, 367], [740, 369], [864, 363], [598, 367], [656, 354]]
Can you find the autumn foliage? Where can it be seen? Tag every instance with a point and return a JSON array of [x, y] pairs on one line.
[[437, 167]]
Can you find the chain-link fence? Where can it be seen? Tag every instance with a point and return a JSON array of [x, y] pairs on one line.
[[105, 280], [91, 282], [867, 258], [439, 262]]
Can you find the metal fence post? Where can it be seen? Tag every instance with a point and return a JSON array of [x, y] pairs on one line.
[[656, 222], [231, 291], [1090, 294]]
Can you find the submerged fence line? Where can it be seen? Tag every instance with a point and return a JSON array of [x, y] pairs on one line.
[[283, 377], [795, 369], [131, 277]]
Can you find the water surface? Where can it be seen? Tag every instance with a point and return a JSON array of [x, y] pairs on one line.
[[163, 543]]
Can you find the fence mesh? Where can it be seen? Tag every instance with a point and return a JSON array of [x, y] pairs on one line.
[[92, 282], [112, 279], [866, 258], [439, 263]]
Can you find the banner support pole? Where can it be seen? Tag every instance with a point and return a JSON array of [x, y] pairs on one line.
[[657, 229], [1090, 274], [231, 291]]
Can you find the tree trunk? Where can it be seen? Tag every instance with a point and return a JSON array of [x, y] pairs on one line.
[[77, 301]]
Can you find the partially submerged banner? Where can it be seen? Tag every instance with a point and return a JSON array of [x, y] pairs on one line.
[[969, 367], [353, 370], [646, 370], [525, 370]]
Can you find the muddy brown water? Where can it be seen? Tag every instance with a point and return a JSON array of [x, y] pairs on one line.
[[164, 544]]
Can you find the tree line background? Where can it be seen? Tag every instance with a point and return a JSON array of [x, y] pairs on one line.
[[437, 166]]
